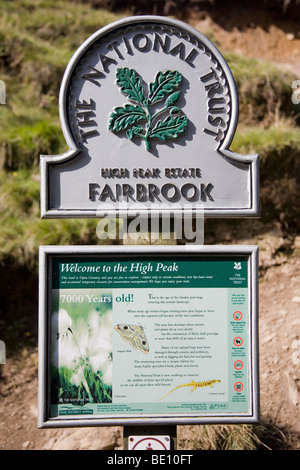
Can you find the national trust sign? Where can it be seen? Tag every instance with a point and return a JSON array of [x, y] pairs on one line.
[[148, 108]]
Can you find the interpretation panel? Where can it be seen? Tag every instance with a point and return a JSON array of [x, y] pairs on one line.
[[161, 334]]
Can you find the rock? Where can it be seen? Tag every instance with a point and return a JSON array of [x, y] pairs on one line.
[[293, 390], [50, 444], [296, 244], [26, 444], [290, 36], [269, 337], [105, 438]]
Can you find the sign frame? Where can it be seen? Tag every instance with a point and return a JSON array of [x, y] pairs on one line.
[[52, 167], [46, 256]]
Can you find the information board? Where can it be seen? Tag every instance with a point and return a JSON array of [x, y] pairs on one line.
[[164, 334]]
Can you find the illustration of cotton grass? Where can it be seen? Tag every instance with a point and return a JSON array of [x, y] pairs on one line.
[[64, 350], [81, 359], [107, 374]]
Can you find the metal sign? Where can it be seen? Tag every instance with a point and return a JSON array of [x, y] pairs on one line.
[[165, 335], [148, 108]]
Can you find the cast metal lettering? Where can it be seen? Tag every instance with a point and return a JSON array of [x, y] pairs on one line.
[[141, 42], [93, 75], [151, 192], [216, 105], [85, 118], [114, 173]]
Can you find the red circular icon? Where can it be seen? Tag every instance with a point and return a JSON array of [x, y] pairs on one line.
[[238, 365], [238, 341], [238, 386], [149, 444], [237, 316]]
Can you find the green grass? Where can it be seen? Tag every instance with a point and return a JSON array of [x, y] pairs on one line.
[[91, 389], [22, 230], [37, 40], [252, 139], [279, 154], [278, 148], [264, 90]]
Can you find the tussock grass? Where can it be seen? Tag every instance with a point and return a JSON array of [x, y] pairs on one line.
[[279, 152], [278, 147], [264, 91], [257, 138], [22, 230], [230, 437]]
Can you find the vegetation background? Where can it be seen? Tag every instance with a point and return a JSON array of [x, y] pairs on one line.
[[261, 43]]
